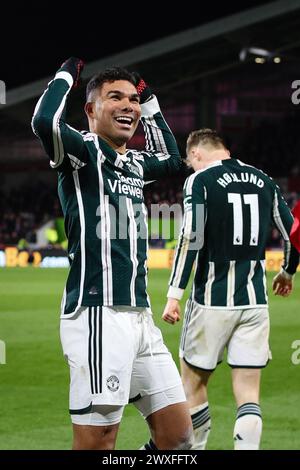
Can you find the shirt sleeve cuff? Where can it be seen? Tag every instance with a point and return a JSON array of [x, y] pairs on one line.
[[65, 76], [151, 107], [175, 293]]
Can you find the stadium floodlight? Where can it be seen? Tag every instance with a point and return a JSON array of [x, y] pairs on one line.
[[260, 55]]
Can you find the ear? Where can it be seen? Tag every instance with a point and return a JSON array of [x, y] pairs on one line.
[[199, 154], [196, 153], [89, 109]]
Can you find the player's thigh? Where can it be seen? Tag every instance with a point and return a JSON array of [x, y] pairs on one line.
[[193, 380], [158, 393], [171, 427], [96, 430], [205, 334], [168, 418], [155, 377], [154, 369], [249, 344], [99, 347]]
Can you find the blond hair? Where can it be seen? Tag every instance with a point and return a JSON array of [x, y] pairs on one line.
[[205, 137]]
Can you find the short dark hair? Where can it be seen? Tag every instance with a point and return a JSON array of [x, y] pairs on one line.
[[205, 137], [109, 75]]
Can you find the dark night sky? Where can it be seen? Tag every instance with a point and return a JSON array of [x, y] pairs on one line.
[[35, 42]]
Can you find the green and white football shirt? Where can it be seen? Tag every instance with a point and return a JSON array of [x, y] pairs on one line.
[[229, 208], [101, 194]]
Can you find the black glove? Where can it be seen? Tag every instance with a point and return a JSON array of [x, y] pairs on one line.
[[74, 66], [143, 89]]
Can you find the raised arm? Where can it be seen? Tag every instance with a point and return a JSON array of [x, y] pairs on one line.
[[63, 144], [161, 156]]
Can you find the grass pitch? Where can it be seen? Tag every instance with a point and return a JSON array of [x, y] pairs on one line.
[[34, 380]]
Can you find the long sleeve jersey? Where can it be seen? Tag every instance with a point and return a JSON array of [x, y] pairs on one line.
[[228, 210], [101, 194]]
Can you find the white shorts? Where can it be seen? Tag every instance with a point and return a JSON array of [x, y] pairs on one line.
[[207, 332], [115, 355]]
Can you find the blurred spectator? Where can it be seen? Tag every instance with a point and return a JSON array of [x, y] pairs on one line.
[[25, 209]]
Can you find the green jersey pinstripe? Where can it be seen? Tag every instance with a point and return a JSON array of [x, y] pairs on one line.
[[229, 207], [101, 194]]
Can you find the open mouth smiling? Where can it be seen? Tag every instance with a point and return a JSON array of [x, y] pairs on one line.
[[124, 121]]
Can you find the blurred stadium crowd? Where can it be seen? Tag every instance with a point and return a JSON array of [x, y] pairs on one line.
[[23, 210], [249, 100], [274, 148]]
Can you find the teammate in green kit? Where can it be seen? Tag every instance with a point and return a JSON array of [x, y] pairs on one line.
[[228, 209]]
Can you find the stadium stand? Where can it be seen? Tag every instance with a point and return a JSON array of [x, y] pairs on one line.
[[203, 80]]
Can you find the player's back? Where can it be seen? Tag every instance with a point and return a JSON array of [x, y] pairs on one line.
[[239, 202]]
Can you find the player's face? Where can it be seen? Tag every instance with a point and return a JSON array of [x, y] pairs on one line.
[[117, 112]]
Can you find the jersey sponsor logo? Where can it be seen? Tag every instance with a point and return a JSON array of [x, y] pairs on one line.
[[243, 177], [126, 185], [113, 383]]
